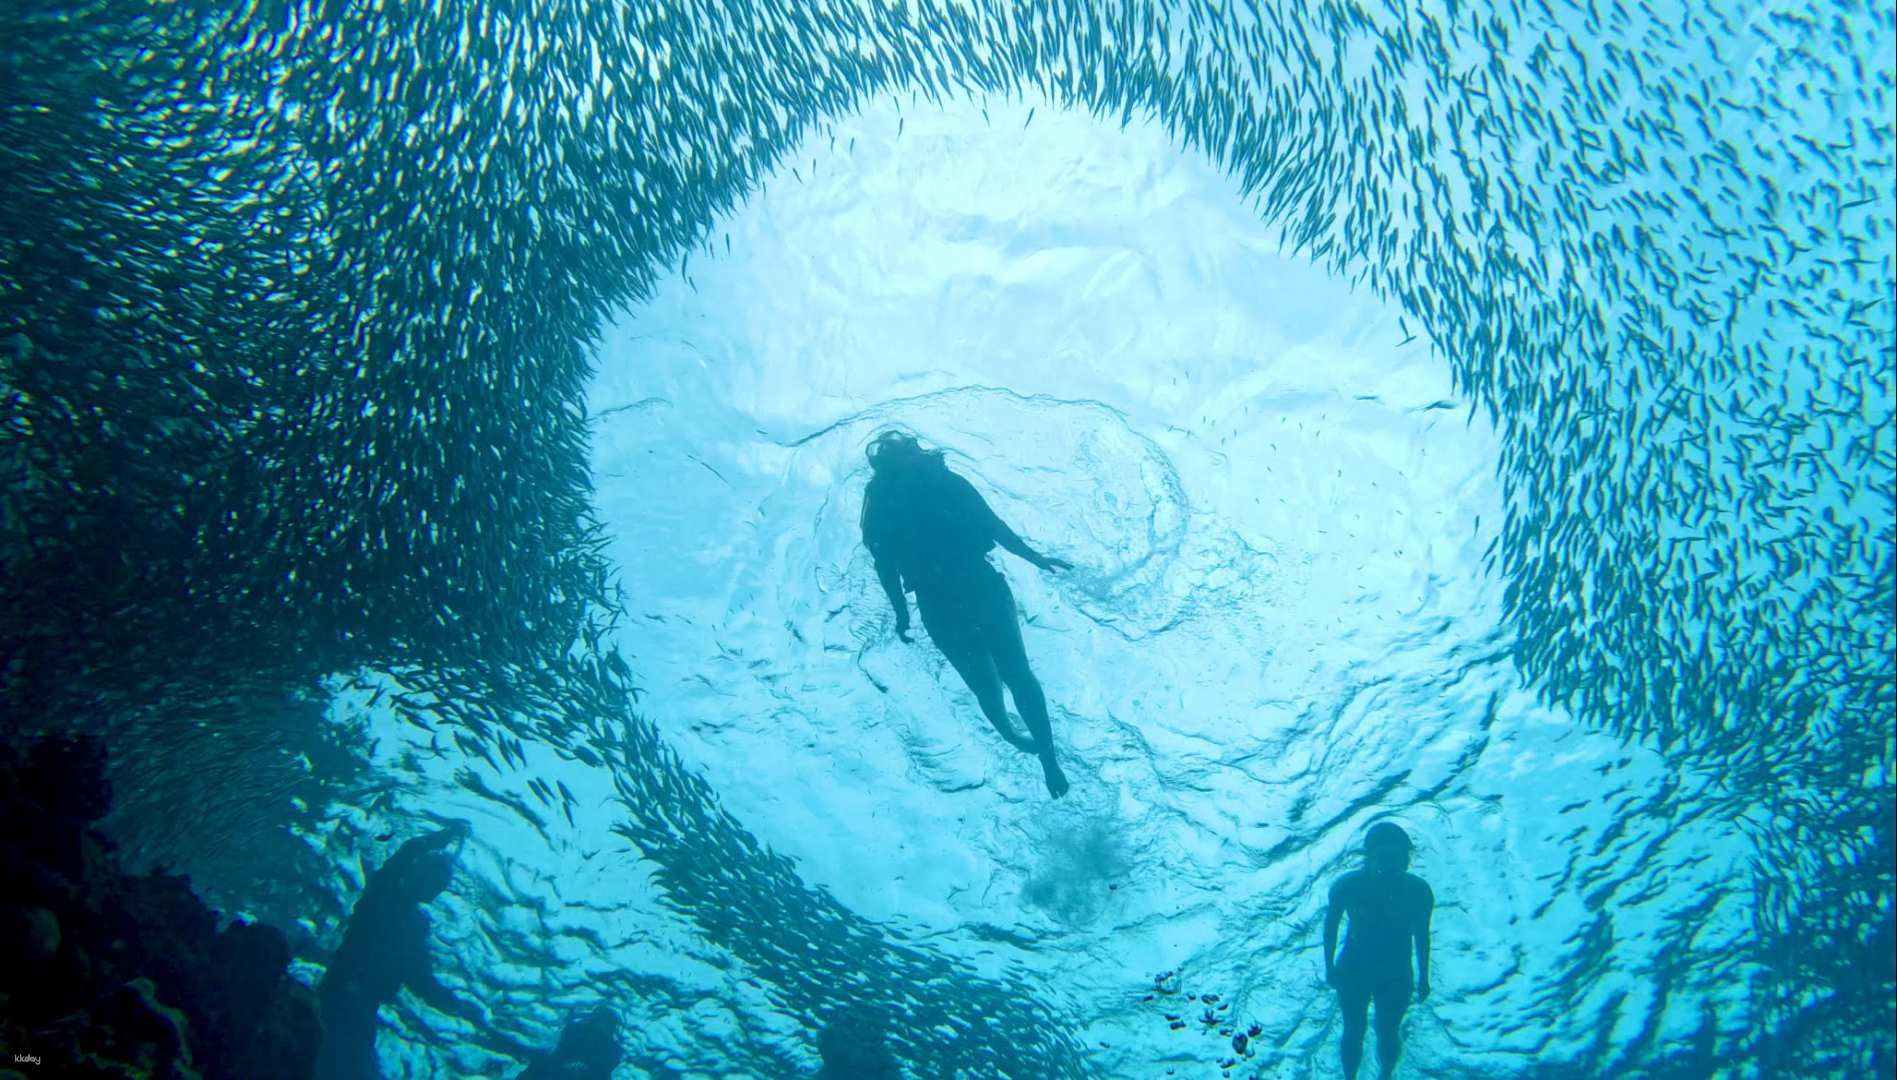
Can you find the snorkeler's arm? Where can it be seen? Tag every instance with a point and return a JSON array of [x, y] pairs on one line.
[[1008, 538], [407, 855], [1333, 914], [441, 838], [1426, 905], [886, 572], [413, 849], [892, 587]]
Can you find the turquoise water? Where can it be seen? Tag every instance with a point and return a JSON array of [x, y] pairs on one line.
[[1478, 417]]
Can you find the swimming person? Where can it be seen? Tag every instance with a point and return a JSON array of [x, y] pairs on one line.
[[854, 1047], [1388, 909], [384, 949], [588, 1049], [929, 532]]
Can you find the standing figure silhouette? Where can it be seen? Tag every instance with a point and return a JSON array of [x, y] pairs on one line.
[[384, 949], [588, 1049], [1388, 909], [929, 532]]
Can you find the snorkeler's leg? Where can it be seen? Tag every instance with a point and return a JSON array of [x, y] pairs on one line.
[[347, 1049], [958, 643], [977, 669], [1011, 661], [1354, 1000], [1392, 1001]]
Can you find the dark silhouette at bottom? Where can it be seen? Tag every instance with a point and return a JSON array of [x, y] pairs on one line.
[[929, 532], [853, 1048], [1387, 910], [384, 949], [588, 1050]]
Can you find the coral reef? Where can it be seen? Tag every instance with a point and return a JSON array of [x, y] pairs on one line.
[[107, 975]]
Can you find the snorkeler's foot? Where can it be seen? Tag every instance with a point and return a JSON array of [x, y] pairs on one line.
[[1056, 780], [1013, 737], [1016, 739]]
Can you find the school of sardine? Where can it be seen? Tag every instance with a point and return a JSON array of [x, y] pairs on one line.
[[297, 302]]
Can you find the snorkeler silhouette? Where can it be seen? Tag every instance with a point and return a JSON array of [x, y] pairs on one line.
[[853, 1047], [384, 949], [588, 1050], [1388, 908], [929, 532]]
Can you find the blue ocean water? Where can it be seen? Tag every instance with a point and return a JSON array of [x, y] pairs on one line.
[[1279, 627], [1475, 417]]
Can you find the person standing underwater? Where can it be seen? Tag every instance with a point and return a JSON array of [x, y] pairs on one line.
[[384, 949], [929, 531], [1388, 910]]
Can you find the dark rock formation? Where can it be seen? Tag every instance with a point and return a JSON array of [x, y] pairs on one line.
[[107, 975]]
